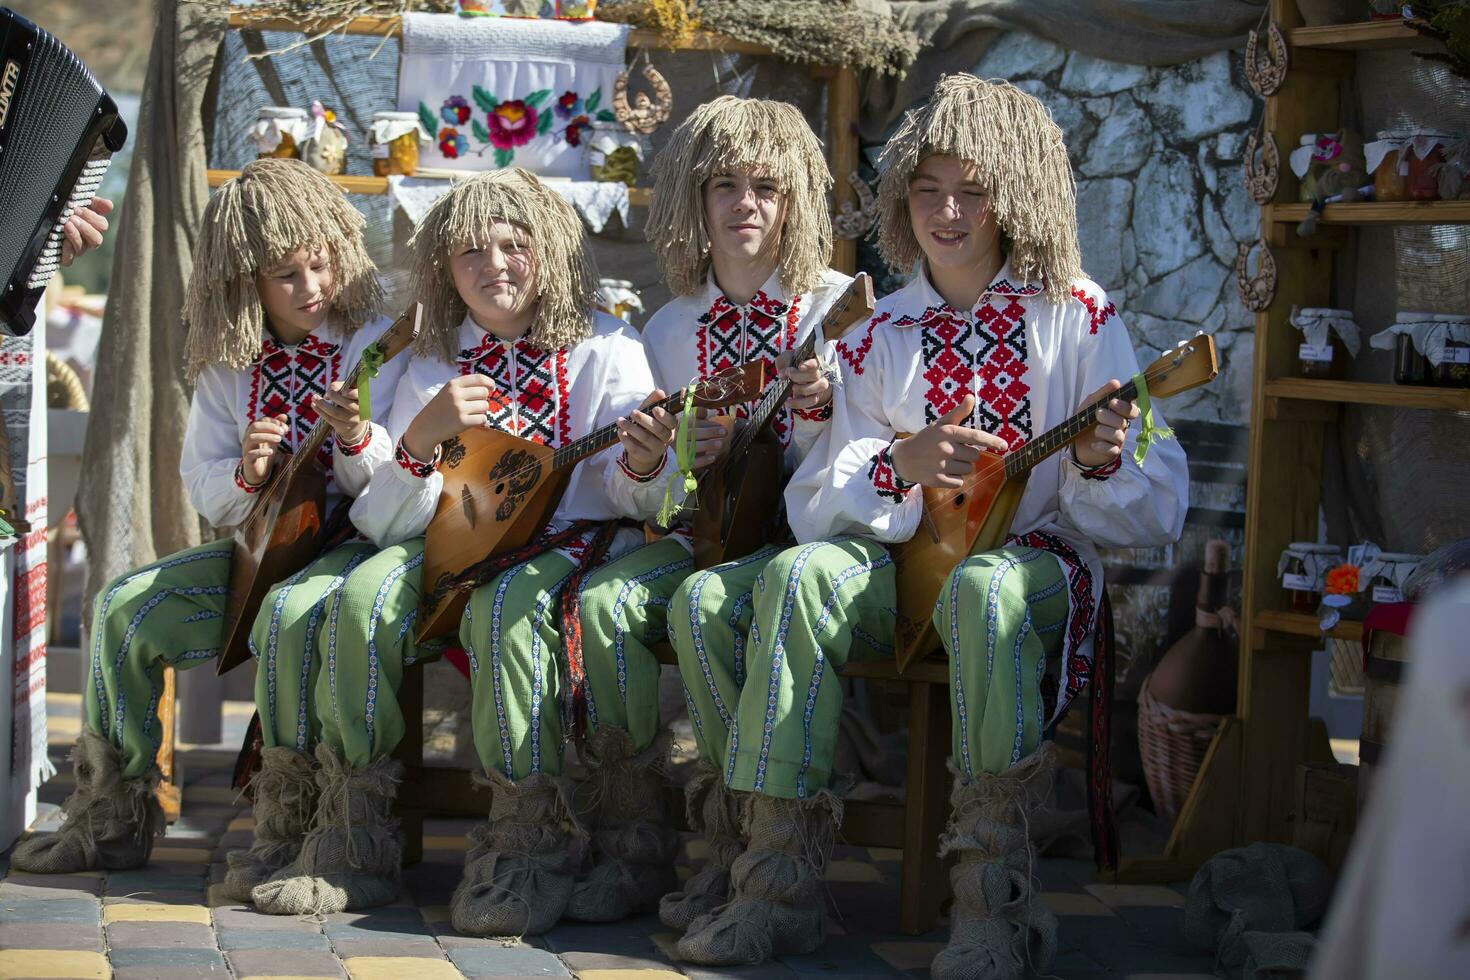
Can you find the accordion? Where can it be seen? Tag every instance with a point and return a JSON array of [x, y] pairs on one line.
[[58, 131]]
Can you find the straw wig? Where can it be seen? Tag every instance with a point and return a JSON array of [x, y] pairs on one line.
[[726, 134], [565, 282], [1022, 161], [252, 222]]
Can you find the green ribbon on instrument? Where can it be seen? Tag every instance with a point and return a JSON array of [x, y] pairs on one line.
[[684, 457], [372, 359], [1149, 428]]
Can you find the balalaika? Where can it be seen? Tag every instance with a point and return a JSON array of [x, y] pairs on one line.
[[58, 132]]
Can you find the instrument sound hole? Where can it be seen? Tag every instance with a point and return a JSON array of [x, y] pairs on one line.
[[500, 487], [959, 501]]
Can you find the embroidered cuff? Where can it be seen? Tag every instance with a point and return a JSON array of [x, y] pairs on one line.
[[240, 479], [640, 477], [822, 413], [416, 467], [1095, 472], [357, 447], [886, 481]]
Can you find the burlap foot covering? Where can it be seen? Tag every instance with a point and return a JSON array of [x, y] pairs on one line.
[[633, 844], [1262, 888], [711, 807], [110, 822], [519, 871], [285, 795], [777, 905], [999, 926], [351, 857]]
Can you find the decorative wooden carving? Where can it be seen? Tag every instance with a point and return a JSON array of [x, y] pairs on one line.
[[645, 115], [1261, 181], [1259, 289], [850, 222], [1266, 73]]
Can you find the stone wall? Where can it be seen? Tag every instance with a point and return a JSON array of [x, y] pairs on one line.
[[1158, 157]]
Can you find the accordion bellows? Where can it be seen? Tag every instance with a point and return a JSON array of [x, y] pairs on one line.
[[58, 131]]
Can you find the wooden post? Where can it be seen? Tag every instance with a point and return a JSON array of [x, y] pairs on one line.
[[842, 148]]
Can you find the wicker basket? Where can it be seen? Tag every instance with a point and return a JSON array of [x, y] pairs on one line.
[[1173, 744]]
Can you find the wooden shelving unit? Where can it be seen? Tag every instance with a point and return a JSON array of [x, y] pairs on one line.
[[357, 184], [1375, 213], [1245, 790], [842, 103]]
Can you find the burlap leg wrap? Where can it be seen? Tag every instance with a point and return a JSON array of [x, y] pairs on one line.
[[110, 821], [999, 925], [777, 904], [712, 808], [522, 863], [350, 858], [285, 794], [633, 844]]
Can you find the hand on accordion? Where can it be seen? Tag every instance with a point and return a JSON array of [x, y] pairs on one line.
[[84, 229]]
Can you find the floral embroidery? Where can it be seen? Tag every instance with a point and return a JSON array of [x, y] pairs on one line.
[[451, 143], [886, 480], [504, 125], [455, 111]]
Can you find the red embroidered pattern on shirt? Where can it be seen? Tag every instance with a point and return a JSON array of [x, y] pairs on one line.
[[530, 402], [986, 357], [283, 381], [416, 467], [729, 335], [855, 356], [357, 447], [886, 481], [1003, 286], [1104, 471], [636, 477], [1097, 316], [1081, 613]]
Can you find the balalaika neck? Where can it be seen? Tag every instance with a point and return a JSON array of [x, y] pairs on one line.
[[1019, 461], [318, 434], [771, 400], [596, 441]]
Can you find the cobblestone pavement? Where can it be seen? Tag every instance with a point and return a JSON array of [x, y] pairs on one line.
[[168, 920]]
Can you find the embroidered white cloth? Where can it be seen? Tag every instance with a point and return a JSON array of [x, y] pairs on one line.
[[595, 200], [501, 92]]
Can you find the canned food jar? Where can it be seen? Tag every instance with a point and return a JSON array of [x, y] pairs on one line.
[[394, 140], [1388, 573], [1389, 165], [1330, 338], [1303, 568], [1425, 156], [279, 132], [1448, 351]]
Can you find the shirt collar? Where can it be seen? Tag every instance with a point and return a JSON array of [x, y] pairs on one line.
[[771, 291], [311, 344], [475, 341], [1005, 283]]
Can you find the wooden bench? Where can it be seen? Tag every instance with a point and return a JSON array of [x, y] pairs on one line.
[[912, 825]]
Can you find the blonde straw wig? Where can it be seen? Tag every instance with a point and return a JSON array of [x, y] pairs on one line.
[[1022, 161], [726, 134], [566, 280], [251, 223]]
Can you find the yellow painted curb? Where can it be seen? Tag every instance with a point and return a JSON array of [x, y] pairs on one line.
[[155, 913]]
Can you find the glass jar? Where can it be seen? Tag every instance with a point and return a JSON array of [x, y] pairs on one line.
[[1448, 351], [1425, 155], [618, 298], [279, 132], [1387, 163], [1409, 366], [1303, 567], [1407, 338], [394, 141], [1391, 569], [1331, 338]]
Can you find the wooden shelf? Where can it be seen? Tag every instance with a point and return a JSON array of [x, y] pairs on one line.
[[1364, 393], [1304, 624], [638, 37], [1377, 213], [1374, 35], [358, 184]]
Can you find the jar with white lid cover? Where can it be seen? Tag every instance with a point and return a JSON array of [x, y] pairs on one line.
[[279, 131]]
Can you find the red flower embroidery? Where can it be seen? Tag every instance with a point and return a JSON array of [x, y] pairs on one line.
[[574, 130], [512, 124], [451, 143]]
